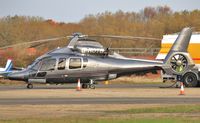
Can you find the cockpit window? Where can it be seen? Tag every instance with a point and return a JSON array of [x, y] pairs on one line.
[[36, 65], [48, 65], [61, 63], [75, 63]]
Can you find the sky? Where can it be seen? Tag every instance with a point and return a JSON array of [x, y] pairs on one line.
[[75, 10]]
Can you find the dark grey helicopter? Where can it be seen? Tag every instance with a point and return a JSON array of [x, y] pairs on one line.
[[90, 62]]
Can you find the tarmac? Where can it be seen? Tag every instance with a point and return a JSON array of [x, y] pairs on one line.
[[124, 100], [103, 94]]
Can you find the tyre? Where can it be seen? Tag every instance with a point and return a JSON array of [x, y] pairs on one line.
[[30, 86], [84, 86], [92, 86], [190, 80]]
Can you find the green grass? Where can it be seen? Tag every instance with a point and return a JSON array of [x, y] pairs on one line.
[[127, 116], [113, 120], [169, 109]]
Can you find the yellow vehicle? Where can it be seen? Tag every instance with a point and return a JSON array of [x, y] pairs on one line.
[[191, 78]]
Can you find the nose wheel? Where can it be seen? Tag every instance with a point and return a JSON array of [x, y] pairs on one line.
[[29, 86], [87, 85], [90, 85]]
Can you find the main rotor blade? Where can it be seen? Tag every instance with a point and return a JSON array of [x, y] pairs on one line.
[[125, 37], [32, 42], [43, 41]]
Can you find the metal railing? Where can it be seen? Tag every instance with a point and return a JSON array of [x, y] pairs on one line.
[[136, 51]]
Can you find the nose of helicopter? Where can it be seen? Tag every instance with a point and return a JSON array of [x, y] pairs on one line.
[[22, 75]]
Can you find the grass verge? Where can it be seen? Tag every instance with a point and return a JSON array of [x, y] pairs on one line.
[[97, 120], [171, 114], [169, 109]]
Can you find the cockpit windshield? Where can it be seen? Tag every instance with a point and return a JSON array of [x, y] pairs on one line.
[[35, 65], [48, 65]]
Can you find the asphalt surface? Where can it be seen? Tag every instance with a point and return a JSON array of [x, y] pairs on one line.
[[124, 100], [94, 100], [72, 86]]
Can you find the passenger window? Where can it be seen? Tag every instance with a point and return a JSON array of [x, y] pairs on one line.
[[48, 65], [75, 63], [61, 63]]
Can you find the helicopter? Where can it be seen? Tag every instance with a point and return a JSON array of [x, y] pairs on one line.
[[86, 60]]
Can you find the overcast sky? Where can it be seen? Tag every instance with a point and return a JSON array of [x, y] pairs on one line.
[[75, 10]]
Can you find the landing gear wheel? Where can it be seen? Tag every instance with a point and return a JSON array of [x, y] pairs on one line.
[[30, 86], [92, 86], [84, 86], [190, 80]]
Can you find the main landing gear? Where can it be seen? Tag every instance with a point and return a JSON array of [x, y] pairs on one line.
[[29, 86], [90, 85]]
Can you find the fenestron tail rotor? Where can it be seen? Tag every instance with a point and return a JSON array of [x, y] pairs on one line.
[[178, 63]]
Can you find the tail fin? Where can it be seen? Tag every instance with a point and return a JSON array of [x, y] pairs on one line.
[[181, 43], [178, 60], [9, 65]]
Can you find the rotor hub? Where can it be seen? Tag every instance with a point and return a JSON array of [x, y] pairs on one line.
[[179, 63]]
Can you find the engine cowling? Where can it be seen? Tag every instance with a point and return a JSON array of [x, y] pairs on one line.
[[90, 47], [90, 50]]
